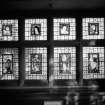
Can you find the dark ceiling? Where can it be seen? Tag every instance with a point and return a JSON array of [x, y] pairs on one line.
[[50, 4]]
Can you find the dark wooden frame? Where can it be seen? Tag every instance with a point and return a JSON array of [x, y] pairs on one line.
[[49, 43]]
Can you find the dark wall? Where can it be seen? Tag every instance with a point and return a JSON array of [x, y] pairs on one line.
[[50, 4]]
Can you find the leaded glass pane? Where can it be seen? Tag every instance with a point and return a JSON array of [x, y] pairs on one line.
[[9, 30], [64, 28], [9, 64], [36, 29], [64, 63], [93, 62], [93, 28], [36, 63]]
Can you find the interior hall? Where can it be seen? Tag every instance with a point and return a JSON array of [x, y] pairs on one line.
[[52, 52]]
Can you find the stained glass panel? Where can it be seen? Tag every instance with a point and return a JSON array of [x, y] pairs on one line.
[[36, 29], [64, 28], [9, 64], [36, 66], [9, 30], [36, 63], [93, 62], [64, 63], [93, 28]]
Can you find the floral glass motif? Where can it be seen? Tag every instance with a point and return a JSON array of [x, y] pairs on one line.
[[7, 64], [7, 29], [64, 29], [93, 62], [36, 66], [64, 63], [93, 28], [35, 29]]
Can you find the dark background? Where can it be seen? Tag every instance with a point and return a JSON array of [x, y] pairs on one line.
[[31, 95], [47, 4]]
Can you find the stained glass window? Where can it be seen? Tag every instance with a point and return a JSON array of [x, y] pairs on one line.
[[9, 64], [93, 62], [9, 30], [36, 29], [64, 63], [64, 29], [36, 63], [93, 28]]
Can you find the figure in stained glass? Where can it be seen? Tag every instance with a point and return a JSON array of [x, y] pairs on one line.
[[65, 63], [64, 29], [93, 28], [7, 29], [93, 63], [36, 60], [35, 29]]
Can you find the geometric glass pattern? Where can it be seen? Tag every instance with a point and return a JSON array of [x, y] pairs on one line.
[[64, 63], [93, 62], [64, 28], [36, 29], [36, 63], [9, 64], [9, 30], [93, 28]]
